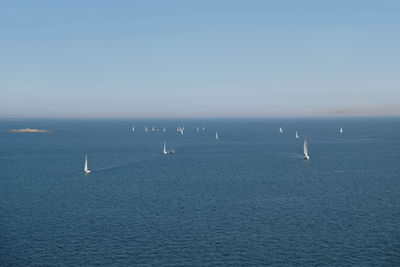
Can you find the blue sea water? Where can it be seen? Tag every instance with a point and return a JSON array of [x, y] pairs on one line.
[[248, 199]]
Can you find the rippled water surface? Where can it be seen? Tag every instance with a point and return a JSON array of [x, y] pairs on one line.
[[247, 199]]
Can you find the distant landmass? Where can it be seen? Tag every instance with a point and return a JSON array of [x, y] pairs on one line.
[[27, 130]]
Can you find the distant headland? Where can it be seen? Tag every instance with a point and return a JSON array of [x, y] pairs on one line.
[[27, 130]]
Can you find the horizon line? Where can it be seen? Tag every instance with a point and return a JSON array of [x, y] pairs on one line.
[[205, 117]]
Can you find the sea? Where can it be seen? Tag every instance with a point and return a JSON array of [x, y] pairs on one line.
[[247, 199]]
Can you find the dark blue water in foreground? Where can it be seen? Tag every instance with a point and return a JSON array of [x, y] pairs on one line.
[[248, 199]]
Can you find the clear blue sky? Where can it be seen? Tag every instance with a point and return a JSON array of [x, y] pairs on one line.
[[199, 58]]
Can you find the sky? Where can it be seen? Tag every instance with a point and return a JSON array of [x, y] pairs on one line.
[[209, 58]]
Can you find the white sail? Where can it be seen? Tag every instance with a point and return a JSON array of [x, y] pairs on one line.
[[204, 128], [86, 167], [216, 136], [164, 130], [306, 156], [197, 129], [180, 130], [165, 149], [341, 130], [297, 135], [146, 129], [280, 130], [133, 128], [86, 170]]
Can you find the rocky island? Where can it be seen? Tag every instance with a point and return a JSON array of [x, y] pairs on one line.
[[27, 130]]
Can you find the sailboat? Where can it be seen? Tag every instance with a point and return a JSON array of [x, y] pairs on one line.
[[165, 152], [86, 170], [163, 130], [280, 130], [146, 129], [180, 130], [341, 130], [165, 149], [133, 128], [197, 129], [297, 135], [216, 136], [306, 156]]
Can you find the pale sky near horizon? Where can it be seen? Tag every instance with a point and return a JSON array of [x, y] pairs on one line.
[[199, 58]]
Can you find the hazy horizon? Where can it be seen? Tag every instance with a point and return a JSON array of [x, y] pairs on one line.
[[225, 59]]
